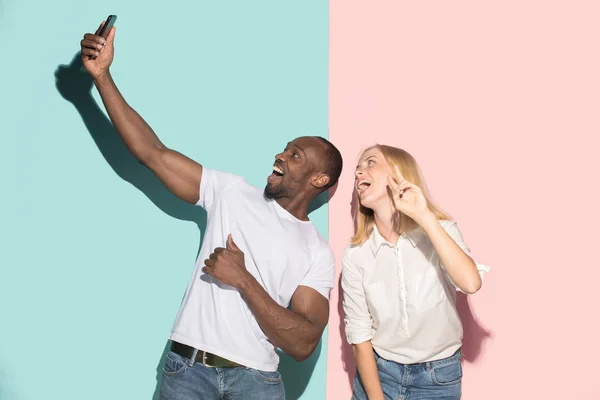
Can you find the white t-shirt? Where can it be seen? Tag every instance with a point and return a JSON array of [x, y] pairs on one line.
[[281, 252]]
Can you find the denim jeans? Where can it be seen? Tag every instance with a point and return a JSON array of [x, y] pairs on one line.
[[180, 381], [439, 379]]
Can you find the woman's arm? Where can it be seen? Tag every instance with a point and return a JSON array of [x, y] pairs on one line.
[[367, 368], [359, 325], [461, 268], [409, 200]]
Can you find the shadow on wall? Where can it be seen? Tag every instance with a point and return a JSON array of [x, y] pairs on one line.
[[5, 392], [473, 337], [75, 86], [296, 375], [474, 334]]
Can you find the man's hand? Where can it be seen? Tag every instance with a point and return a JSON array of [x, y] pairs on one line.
[[296, 331], [96, 52], [227, 265]]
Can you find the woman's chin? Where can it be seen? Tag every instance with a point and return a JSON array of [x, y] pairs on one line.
[[374, 202], [366, 201]]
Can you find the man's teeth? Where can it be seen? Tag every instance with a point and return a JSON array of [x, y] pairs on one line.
[[277, 170]]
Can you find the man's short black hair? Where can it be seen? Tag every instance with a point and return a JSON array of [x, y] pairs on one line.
[[332, 163]]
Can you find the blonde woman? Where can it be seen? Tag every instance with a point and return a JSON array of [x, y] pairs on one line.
[[399, 280]]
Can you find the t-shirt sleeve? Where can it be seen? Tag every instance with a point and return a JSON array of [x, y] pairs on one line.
[[321, 274], [213, 183]]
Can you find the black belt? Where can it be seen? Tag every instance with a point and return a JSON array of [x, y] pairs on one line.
[[203, 357]]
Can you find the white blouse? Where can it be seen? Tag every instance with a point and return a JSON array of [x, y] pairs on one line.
[[401, 298]]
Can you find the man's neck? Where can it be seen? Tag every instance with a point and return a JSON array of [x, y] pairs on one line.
[[298, 207]]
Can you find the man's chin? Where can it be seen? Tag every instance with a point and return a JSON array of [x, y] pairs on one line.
[[269, 193], [273, 192]]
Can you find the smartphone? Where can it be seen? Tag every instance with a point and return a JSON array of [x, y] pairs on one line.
[[110, 21]]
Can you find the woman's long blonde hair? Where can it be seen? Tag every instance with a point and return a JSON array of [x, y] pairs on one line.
[[364, 217]]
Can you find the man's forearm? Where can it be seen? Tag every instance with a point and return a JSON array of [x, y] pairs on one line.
[[293, 333], [139, 138]]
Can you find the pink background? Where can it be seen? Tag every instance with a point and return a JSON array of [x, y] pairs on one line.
[[500, 104]]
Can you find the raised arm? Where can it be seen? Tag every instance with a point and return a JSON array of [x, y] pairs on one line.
[[180, 174], [461, 268]]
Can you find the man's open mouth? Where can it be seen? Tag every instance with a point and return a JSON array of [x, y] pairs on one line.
[[276, 176], [277, 171]]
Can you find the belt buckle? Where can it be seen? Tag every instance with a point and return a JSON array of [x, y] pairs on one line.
[[204, 356]]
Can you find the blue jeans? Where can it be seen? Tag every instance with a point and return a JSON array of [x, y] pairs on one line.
[[429, 380], [180, 381]]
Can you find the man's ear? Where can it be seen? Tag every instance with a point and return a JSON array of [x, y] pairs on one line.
[[320, 181]]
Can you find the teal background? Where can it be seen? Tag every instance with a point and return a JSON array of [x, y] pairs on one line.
[[95, 254]]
